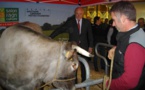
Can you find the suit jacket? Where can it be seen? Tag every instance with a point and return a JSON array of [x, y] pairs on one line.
[[84, 40]]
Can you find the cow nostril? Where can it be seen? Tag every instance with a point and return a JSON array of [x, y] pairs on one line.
[[75, 66]]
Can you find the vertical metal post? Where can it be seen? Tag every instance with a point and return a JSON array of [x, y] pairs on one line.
[[99, 55], [86, 68]]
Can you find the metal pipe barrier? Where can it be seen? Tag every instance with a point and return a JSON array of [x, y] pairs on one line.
[[103, 57], [88, 82], [87, 68]]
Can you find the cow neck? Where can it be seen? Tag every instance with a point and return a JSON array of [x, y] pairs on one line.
[[56, 71]]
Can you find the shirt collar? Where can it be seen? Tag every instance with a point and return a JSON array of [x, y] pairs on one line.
[[134, 27], [77, 20]]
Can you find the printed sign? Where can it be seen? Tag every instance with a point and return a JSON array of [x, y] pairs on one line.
[[8, 23], [9, 16], [35, 12]]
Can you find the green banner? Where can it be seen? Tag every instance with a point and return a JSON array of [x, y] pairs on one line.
[[11, 14]]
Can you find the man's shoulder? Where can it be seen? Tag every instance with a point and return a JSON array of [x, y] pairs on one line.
[[138, 37], [70, 20], [86, 20]]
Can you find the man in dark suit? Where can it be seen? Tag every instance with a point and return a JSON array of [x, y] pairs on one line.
[[80, 32], [141, 23]]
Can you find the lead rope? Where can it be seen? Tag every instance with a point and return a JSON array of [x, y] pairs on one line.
[[110, 77]]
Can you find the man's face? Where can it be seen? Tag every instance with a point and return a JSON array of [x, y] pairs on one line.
[[116, 21], [99, 21], [141, 22], [79, 13]]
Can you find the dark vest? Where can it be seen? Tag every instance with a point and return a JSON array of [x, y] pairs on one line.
[[123, 39], [113, 37]]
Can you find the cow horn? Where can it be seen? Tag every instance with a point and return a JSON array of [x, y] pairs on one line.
[[82, 51]]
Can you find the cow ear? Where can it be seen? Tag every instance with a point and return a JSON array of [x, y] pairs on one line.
[[69, 54], [69, 51]]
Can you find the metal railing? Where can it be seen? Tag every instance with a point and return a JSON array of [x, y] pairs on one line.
[[88, 82], [103, 57]]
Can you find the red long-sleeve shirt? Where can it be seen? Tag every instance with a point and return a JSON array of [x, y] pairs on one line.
[[134, 62]]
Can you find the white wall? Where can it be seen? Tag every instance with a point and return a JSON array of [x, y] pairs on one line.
[[140, 8]]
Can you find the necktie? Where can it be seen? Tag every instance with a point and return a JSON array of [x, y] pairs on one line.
[[79, 25]]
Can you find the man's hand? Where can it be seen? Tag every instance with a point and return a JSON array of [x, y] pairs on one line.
[[111, 53]]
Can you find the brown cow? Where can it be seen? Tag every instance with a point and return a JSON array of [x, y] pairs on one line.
[[28, 58]]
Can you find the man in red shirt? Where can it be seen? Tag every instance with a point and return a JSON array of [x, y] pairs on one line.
[[129, 54]]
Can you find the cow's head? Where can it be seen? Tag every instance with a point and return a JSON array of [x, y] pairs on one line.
[[67, 66], [67, 71]]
